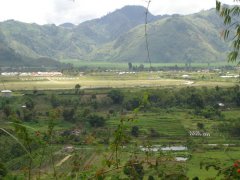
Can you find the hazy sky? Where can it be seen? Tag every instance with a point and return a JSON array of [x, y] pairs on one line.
[[77, 11]]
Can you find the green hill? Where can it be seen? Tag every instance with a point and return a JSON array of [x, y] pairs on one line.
[[171, 39], [119, 36], [9, 57]]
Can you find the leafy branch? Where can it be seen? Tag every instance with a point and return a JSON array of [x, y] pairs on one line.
[[230, 17]]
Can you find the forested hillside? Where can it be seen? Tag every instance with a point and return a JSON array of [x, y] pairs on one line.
[[119, 36]]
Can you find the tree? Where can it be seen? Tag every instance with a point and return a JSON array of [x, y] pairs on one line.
[[68, 114], [196, 100], [130, 66], [116, 96], [230, 15], [77, 88], [54, 101], [7, 110], [135, 131], [29, 104], [237, 98], [141, 67], [28, 115], [96, 121], [132, 104], [200, 125]]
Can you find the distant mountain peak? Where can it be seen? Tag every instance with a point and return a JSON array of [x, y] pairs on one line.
[[132, 9], [133, 12], [67, 25]]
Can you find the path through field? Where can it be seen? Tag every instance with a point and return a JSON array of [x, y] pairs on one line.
[[63, 160]]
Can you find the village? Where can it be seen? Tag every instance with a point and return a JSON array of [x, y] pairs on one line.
[[32, 74]]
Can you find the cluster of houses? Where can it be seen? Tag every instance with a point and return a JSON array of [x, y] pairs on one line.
[[121, 73], [31, 74], [230, 76]]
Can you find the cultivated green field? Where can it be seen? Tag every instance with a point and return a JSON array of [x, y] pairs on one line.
[[120, 80]]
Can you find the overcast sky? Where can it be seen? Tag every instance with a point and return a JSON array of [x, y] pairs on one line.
[[77, 11]]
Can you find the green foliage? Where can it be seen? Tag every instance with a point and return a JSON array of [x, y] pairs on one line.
[[130, 66], [29, 104], [237, 99], [68, 114], [211, 112], [132, 103], [196, 100], [28, 115], [162, 113], [134, 170], [230, 15], [3, 171], [7, 110], [153, 133], [232, 128], [116, 96], [95, 120], [200, 125], [227, 172], [135, 131], [77, 88], [55, 101]]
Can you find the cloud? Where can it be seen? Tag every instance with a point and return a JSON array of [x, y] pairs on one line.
[[77, 11], [80, 10], [183, 7]]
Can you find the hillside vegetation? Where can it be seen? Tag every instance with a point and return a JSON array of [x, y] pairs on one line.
[[119, 36], [80, 134]]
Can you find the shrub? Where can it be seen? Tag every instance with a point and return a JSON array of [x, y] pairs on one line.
[[116, 96], [135, 131], [3, 171], [68, 114], [96, 121], [132, 104]]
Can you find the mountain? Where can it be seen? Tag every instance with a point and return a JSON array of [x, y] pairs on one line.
[[171, 39], [67, 25], [114, 24], [9, 57], [120, 36]]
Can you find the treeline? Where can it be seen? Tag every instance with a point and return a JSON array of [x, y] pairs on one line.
[[76, 104], [189, 97]]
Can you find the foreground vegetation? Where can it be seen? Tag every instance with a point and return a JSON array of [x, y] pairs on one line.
[[120, 133]]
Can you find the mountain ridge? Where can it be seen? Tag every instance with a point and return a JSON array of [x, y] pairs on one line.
[[119, 36]]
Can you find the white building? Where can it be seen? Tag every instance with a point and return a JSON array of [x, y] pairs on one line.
[[6, 93]]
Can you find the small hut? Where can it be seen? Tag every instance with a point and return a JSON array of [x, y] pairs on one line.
[[6, 93]]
